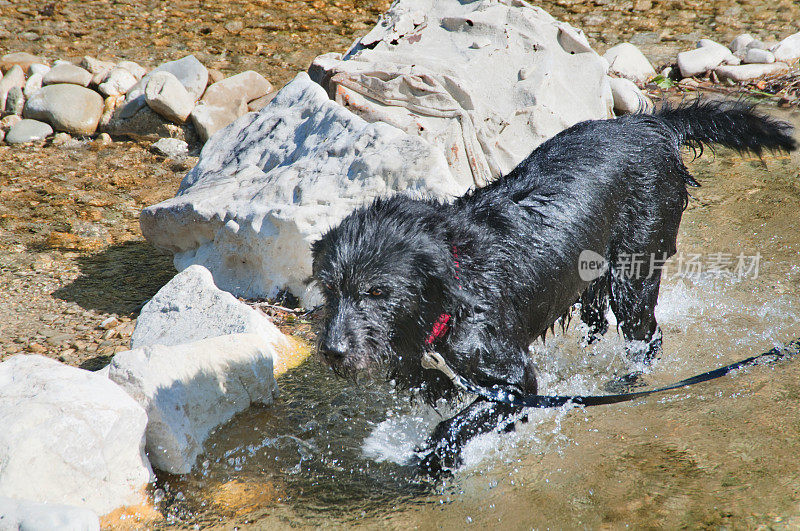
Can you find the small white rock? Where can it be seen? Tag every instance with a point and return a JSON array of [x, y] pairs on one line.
[[134, 68], [38, 68], [740, 42], [626, 60], [190, 389], [757, 55], [746, 72], [788, 49], [701, 60], [627, 97], [117, 82], [168, 97], [28, 131], [32, 85], [171, 147], [67, 73]]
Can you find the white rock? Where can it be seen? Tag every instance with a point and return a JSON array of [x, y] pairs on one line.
[[170, 147], [69, 437], [788, 49], [226, 100], [708, 43], [740, 42], [67, 107], [190, 307], [626, 60], [701, 60], [414, 70], [28, 131], [757, 55], [189, 71], [137, 70], [190, 389], [627, 97], [32, 85], [26, 515], [745, 72], [261, 192], [38, 68], [168, 97], [67, 73], [14, 77], [116, 82]]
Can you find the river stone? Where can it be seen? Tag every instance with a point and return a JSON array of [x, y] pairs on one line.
[[788, 49], [67, 73], [28, 131], [262, 192], [758, 56], [628, 98], [190, 307], [626, 60], [752, 71], [189, 71], [15, 101], [701, 60], [168, 97], [190, 389], [69, 437], [227, 100], [170, 147], [145, 125], [99, 69], [485, 109], [22, 59], [134, 68], [26, 515], [15, 77], [32, 85], [66, 107], [740, 42], [116, 82]]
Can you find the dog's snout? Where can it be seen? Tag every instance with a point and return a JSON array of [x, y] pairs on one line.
[[334, 348]]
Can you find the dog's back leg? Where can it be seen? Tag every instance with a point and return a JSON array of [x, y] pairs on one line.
[[633, 301], [594, 305]]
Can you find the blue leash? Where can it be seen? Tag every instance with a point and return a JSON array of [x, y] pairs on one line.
[[434, 360]]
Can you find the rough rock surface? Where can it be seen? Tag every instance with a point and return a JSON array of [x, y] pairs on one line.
[[69, 437], [66, 107], [190, 307], [484, 82], [26, 515], [190, 389], [270, 183]]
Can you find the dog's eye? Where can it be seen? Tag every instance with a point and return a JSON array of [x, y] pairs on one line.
[[377, 292]]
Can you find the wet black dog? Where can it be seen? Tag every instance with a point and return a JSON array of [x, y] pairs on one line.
[[479, 279]]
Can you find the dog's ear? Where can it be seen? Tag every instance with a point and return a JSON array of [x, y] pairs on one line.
[[443, 283]]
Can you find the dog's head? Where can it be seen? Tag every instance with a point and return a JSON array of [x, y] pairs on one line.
[[381, 273]]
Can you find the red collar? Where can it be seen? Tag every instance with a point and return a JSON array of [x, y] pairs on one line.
[[441, 326]]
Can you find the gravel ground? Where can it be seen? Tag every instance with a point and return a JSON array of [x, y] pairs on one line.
[[74, 268]]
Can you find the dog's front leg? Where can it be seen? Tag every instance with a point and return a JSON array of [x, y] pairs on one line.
[[449, 437]]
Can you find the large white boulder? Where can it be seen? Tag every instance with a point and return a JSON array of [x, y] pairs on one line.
[[485, 82], [270, 183], [190, 307], [69, 437], [190, 389], [26, 515]]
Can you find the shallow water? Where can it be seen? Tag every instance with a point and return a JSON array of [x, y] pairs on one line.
[[718, 454]]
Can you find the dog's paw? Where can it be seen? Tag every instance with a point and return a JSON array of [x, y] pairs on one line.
[[438, 461]]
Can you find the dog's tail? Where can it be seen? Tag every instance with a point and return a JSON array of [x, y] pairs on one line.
[[732, 124]]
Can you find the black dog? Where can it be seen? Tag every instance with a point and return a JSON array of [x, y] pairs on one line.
[[477, 280]]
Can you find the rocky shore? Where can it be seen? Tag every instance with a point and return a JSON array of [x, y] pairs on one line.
[[180, 356]]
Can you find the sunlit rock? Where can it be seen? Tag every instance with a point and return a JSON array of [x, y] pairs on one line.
[[69, 437], [32, 516], [190, 389], [270, 183]]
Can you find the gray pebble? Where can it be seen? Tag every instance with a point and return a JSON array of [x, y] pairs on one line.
[[28, 131], [67, 73], [15, 101], [757, 55]]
